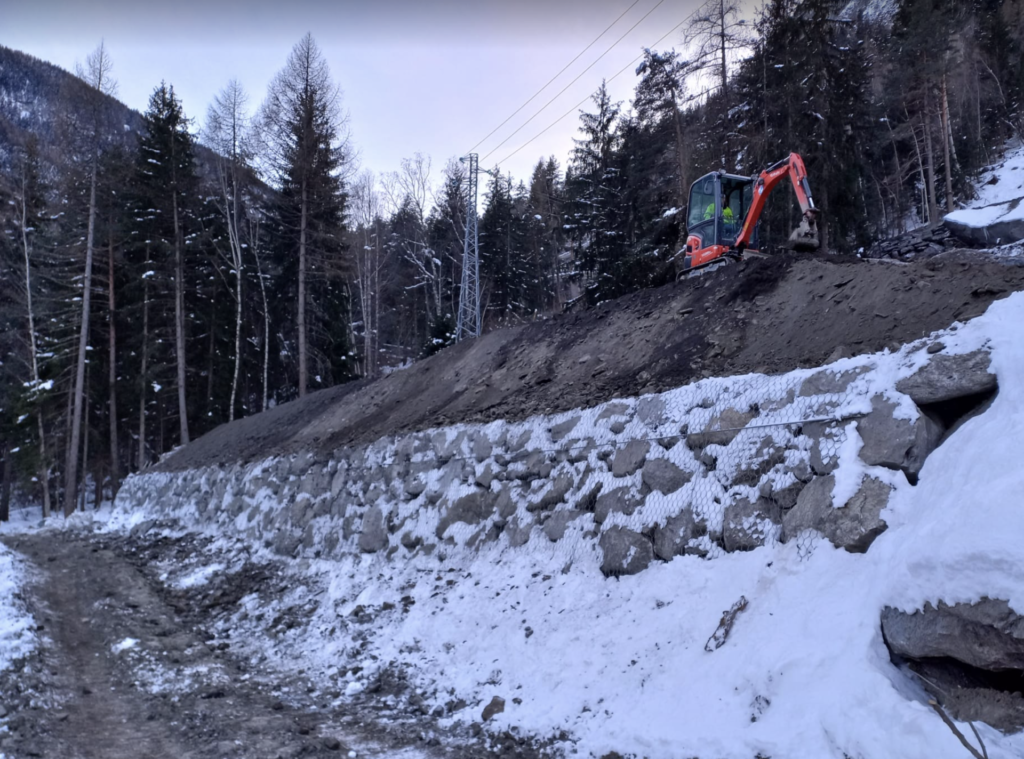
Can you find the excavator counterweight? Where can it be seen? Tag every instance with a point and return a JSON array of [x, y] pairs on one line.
[[724, 211]]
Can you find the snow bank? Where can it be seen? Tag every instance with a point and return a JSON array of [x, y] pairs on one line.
[[997, 216], [17, 636]]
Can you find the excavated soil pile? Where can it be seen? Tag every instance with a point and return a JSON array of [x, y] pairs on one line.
[[764, 315]]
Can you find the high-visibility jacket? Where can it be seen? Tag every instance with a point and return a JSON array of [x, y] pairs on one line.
[[710, 212]]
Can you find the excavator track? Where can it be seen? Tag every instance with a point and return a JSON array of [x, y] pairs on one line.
[[710, 266]]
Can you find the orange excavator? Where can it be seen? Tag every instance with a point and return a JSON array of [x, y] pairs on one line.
[[724, 211]]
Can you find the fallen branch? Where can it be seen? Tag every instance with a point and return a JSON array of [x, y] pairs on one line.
[[725, 625], [949, 723]]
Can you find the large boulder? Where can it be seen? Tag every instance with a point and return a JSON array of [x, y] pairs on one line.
[[995, 224], [664, 476], [897, 443], [830, 381], [987, 634], [946, 377], [554, 527], [620, 500], [553, 495], [562, 429], [625, 552], [374, 535], [672, 538], [471, 508], [747, 525], [853, 527], [630, 457], [721, 429]]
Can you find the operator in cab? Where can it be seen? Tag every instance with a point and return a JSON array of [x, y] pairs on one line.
[[727, 215]]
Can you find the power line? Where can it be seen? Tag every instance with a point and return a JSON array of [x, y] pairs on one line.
[[584, 100], [534, 96], [578, 76]]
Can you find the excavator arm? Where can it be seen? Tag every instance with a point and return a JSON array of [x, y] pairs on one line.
[[805, 237]]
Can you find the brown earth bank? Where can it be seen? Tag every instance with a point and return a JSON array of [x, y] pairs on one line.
[[131, 668], [766, 315]]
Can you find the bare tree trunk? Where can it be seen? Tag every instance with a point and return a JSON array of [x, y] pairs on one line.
[[266, 327], [145, 368], [179, 318], [238, 336], [85, 447], [44, 467], [722, 34], [933, 203], [112, 376], [303, 368], [71, 474], [946, 140], [921, 175], [5, 485]]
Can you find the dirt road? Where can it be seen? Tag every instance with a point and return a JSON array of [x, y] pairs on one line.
[[133, 668]]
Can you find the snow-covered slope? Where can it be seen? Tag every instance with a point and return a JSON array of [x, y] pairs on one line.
[[997, 215], [600, 664]]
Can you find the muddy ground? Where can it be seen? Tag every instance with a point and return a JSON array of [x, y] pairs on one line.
[[763, 315], [188, 687]]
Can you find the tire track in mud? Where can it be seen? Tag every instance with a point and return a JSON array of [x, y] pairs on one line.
[[129, 668]]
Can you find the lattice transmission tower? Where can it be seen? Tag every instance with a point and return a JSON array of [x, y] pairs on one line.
[[468, 324]]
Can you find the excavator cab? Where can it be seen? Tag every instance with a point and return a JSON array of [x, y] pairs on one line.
[[719, 204]]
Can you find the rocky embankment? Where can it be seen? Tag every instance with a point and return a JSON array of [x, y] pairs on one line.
[[606, 440]]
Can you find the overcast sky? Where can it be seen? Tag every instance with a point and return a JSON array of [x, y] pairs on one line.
[[416, 76]]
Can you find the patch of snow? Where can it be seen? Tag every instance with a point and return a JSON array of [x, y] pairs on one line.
[[200, 576], [124, 645]]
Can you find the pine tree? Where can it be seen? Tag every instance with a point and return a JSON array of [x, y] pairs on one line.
[[594, 184], [164, 184], [303, 123]]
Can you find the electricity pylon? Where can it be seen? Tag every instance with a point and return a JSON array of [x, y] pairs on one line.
[[468, 324]]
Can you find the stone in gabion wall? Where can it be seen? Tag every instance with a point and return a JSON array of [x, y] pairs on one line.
[[719, 466]]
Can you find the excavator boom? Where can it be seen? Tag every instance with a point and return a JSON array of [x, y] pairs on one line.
[[805, 237]]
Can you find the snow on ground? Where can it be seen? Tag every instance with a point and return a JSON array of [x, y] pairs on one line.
[[1008, 176], [17, 628], [999, 185], [620, 664], [601, 665]]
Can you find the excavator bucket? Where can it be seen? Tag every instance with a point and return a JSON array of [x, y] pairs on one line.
[[805, 237]]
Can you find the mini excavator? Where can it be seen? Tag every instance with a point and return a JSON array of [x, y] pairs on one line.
[[724, 211]]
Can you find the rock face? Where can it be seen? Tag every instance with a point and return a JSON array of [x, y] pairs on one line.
[[853, 527], [969, 657], [897, 443], [625, 552], [987, 635], [1004, 224], [946, 377]]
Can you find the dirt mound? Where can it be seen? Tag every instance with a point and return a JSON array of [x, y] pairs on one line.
[[764, 315]]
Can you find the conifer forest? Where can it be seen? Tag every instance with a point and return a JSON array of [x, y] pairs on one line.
[[166, 272]]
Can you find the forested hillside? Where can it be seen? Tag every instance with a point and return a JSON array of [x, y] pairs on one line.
[[165, 273]]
